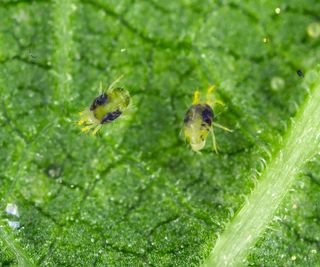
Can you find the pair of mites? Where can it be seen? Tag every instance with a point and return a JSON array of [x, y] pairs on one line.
[[198, 121]]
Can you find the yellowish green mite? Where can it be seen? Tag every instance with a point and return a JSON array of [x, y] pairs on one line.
[[105, 108], [199, 121]]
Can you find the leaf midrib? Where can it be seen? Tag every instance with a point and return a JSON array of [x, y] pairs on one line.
[[300, 143]]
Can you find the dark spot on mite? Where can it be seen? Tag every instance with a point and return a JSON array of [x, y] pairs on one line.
[[207, 115], [111, 116], [191, 111], [300, 73], [198, 107], [186, 118], [99, 101]]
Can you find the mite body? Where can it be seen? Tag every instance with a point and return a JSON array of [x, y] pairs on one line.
[[199, 121], [197, 124], [105, 108]]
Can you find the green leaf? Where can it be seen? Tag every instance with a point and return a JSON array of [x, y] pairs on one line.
[[137, 195]]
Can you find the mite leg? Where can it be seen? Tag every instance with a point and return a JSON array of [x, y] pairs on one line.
[[84, 117], [222, 127], [196, 98], [181, 134], [96, 129], [100, 88], [115, 82], [214, 143], [210, 99], [211, 89], [219, 102], [87, 128]]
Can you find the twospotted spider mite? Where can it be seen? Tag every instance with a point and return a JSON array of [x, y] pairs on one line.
[[105, 108], [199, 121]]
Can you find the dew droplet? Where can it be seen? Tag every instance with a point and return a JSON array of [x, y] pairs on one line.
[[73, 7], [312, 76], [265, 40], [12, 209], [314, 30], [277, 83], [53, 171], [14, 224], [277, 10]]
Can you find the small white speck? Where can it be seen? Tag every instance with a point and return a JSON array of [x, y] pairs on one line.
[[92, 240], [277, 10], [14, 224], [123, 50], [313, 251], [73, 7], [12, 209], [294, 206], [293, 258], [277, 83]]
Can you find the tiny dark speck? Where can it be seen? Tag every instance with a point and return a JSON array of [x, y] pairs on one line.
[[300, 73]]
